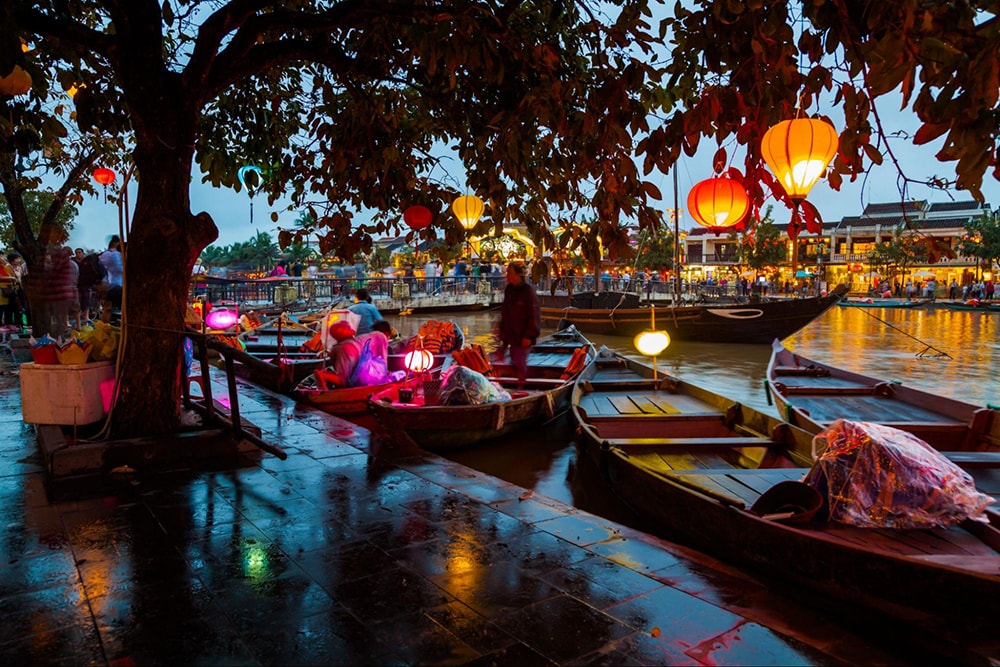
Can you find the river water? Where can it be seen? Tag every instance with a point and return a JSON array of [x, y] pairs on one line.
[[952, 353]]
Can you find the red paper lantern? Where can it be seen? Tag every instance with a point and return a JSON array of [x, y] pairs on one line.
[[418, 217], [718, 203], [104, 176]]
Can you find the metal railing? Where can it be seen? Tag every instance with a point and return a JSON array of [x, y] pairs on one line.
[[333, 289]]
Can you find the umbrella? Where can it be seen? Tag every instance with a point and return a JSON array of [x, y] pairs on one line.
[[923, 273]]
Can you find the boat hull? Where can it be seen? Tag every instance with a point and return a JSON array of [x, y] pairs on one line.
[[752, 323], [696, 466], [545, 395], [812, 395]]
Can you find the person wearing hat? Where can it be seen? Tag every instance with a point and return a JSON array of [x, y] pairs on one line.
[[346, 352]]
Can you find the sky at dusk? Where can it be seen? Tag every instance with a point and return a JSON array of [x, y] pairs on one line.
[[231, 210]]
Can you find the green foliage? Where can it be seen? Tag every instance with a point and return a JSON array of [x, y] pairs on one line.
[[982, 240], [377, 259], [766, 247], [655, 250], [36, 203], [892, 258]]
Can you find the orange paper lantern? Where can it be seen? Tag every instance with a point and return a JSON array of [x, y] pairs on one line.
[[718, 203], [798, 152]]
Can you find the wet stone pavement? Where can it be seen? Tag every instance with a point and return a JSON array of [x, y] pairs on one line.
[[351, 552]]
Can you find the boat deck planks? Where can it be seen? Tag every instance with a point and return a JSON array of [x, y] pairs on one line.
[[679, 469], [616, 403], [877, 409]]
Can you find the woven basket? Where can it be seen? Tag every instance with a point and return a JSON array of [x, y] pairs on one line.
[[432, 392]]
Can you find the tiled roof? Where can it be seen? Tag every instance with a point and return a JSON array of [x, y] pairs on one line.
[[897, 208], [941, 223], [969, 205]]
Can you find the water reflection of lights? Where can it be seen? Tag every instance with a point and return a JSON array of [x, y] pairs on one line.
[[461, 557], [256, 564]]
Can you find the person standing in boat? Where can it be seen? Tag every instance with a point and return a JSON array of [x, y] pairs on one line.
[[520, 319]]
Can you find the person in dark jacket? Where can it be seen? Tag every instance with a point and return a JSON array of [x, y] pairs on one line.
[[520, 319]]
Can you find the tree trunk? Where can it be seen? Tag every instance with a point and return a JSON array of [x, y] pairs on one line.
[[158, 260], [159, 253]]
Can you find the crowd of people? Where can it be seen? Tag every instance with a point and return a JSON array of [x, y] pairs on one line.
[[73, 289]]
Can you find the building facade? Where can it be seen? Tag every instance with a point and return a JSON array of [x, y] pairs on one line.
[[840, 253]]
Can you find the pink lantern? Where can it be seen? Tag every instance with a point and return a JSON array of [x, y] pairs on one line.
[[418, 217], [221, 318]]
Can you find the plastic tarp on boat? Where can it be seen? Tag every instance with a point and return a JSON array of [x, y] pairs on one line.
[[464, 386], [877, 476]]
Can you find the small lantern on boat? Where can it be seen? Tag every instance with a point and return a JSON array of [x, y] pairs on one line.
[[418, 361], [653, 341], [222, 318]]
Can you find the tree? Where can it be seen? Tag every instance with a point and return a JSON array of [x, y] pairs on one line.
[[738, 68], [345, 102], [555, 110], [36, 203], [765, 248], [262, 251], [655, 249], [213, 256], [982, 240], [892, 258]]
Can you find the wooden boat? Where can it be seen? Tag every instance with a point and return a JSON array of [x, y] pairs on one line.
[[759, 322], [274, 338], [279, 373], [352, 402], [812, 395], [978, 307], [726, 479], [879, 303], [543, 396]]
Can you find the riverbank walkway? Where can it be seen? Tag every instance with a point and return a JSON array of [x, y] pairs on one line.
[[352, 552]]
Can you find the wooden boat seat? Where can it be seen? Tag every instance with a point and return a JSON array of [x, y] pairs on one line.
[[793, 390], [974, 459], [737, 441], [736, 487], [801, 370], [530, 382], [590, 386]]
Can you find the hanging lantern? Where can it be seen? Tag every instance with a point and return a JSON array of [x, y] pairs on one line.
[[798, 152], [417, 217], [718, 203], [105, 177], [18, 82], [468, 209], [253, 184]]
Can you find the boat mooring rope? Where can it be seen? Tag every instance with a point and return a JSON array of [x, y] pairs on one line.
[[927, 346]]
